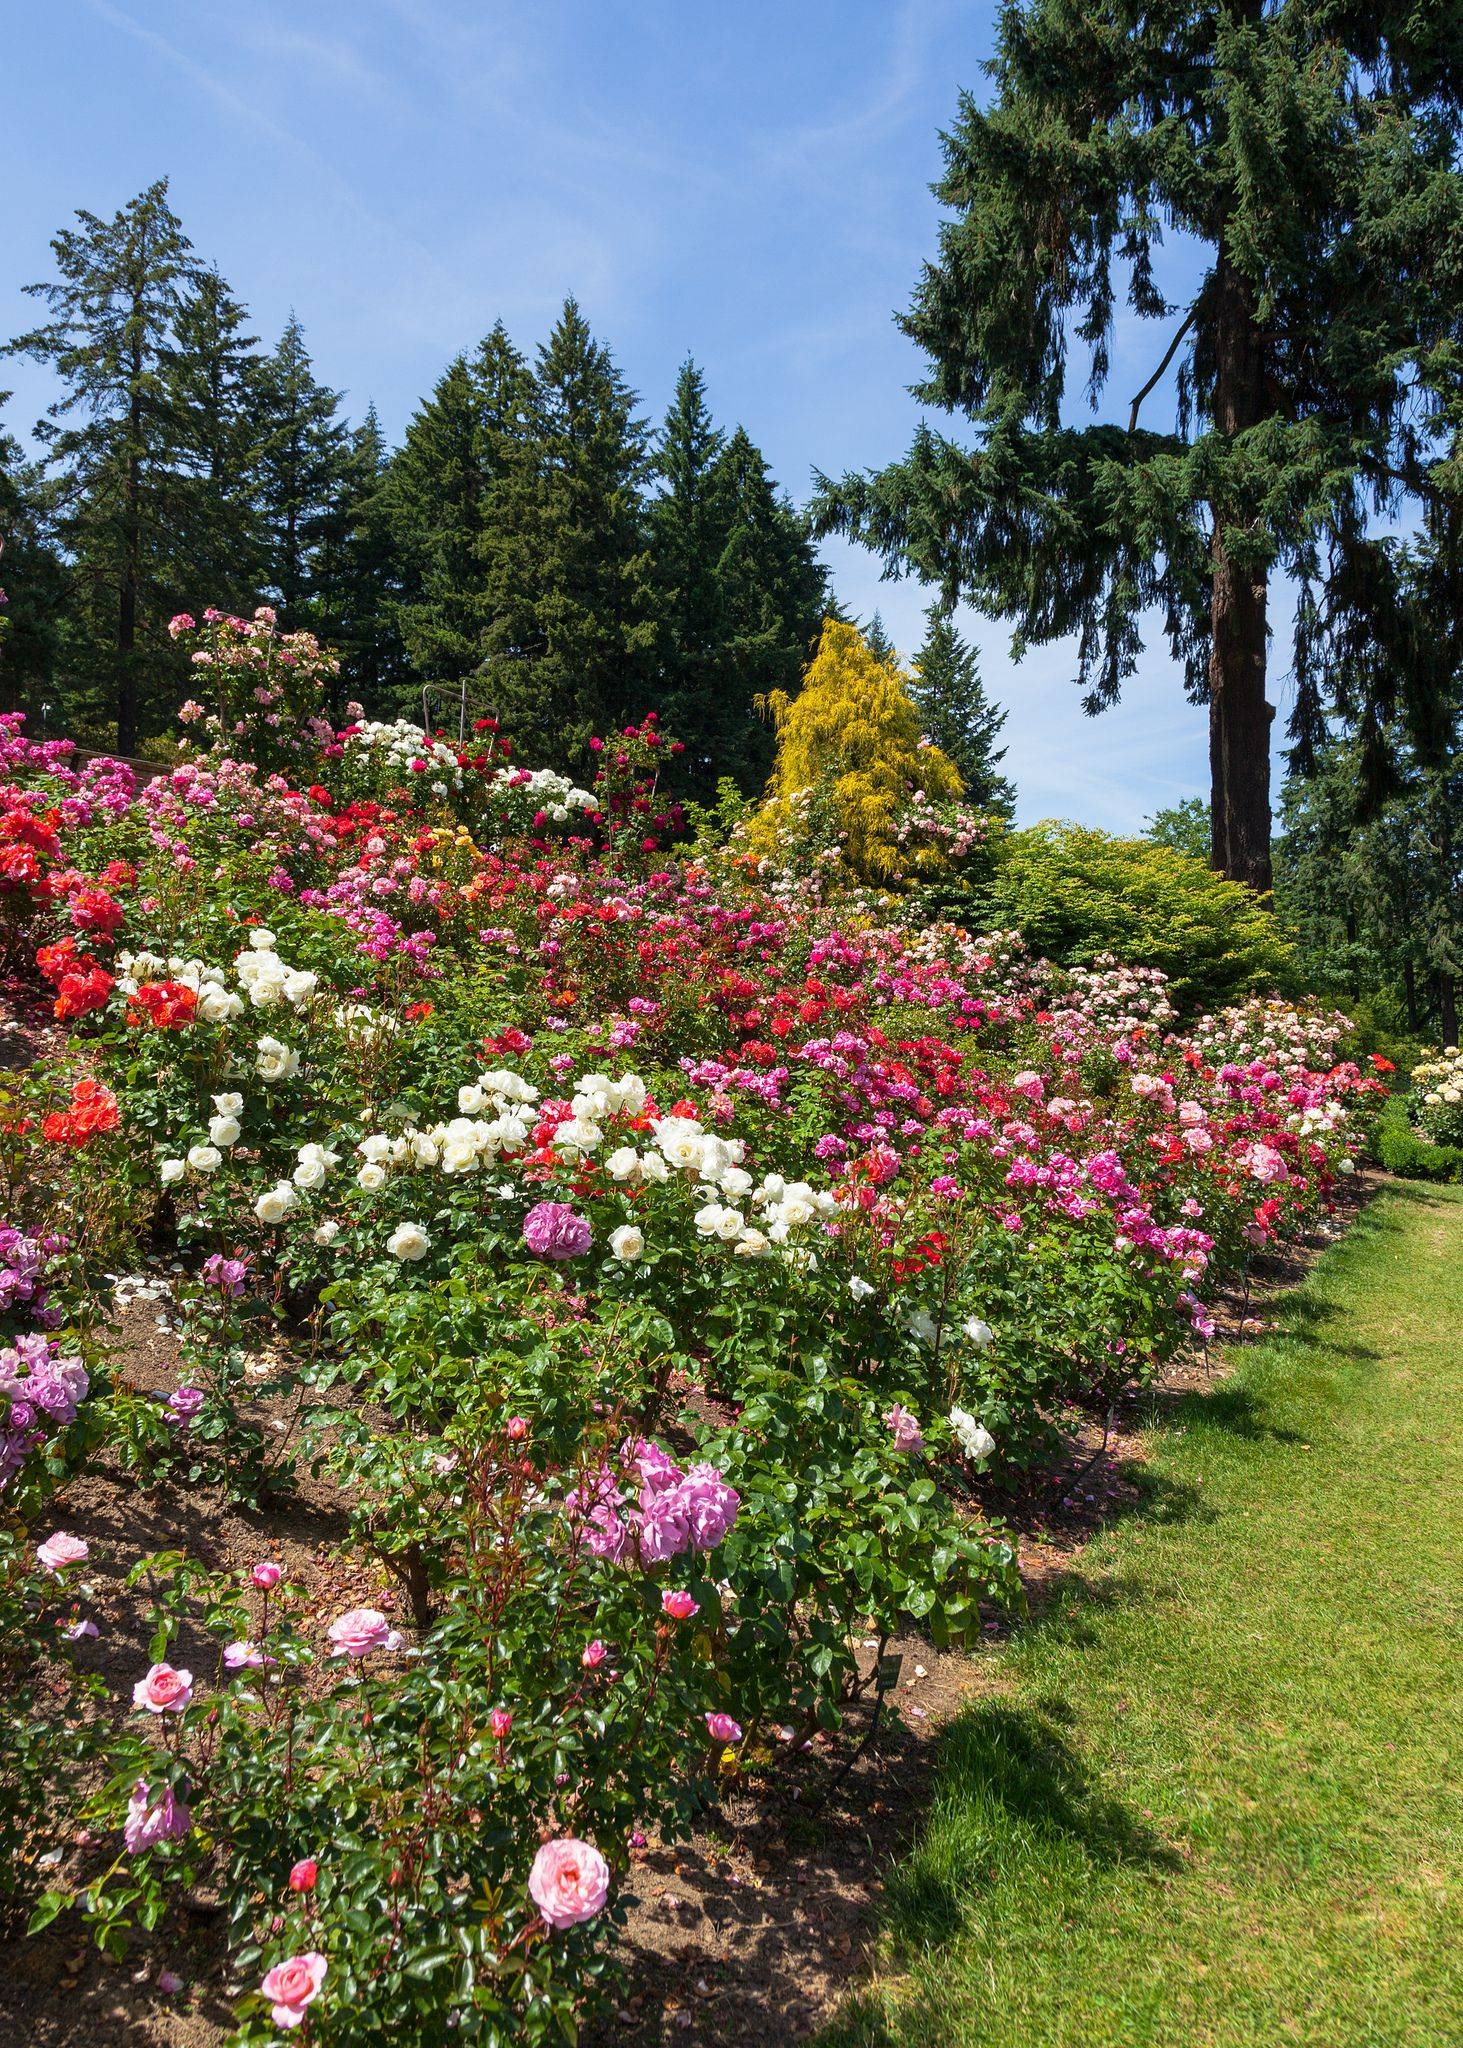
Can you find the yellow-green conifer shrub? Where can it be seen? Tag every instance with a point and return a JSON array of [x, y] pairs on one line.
[[852, 733]]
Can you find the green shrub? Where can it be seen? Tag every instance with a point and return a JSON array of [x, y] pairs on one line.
[[1402, 1152], [1076, 893]]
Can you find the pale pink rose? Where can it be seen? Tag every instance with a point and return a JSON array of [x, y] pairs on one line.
[[679, 1605], [293, 1985], [163, 1690], [265, 1575], [80, 1629], [60, 1550], [569, 1882], [722, 1728], [150, 1821], [360, 1631], [904, 1429], [243, 1655]]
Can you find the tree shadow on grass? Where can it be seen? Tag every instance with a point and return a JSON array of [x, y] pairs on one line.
[[1013, 1784]]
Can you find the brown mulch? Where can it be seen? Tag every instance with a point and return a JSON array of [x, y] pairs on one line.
[[748, 1935]]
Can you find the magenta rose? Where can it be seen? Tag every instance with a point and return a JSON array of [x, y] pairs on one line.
[[360, 1631], [554, 1231], [293, 1985], [679, 1605], [722, 1728], [163, 1690], [569, 1882]]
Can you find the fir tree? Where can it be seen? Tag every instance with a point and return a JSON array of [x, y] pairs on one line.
[[572, 642], [688, 530], [357, 590], [301, 470], [33, 581], [1311, 151], [958, 716], [113, 436], [437, 509], [771, 597], [213, 371], [876, 639]]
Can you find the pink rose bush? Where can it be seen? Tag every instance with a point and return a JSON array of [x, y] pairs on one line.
[[569, 1882]]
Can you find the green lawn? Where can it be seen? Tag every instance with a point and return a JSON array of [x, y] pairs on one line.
[[1214, 1798]]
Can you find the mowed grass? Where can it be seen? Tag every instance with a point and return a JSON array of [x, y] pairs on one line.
[[1215, 1797]]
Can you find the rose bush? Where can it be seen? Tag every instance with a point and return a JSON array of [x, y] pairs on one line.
[[668, 1269]]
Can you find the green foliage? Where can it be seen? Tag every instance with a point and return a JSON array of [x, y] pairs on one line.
[[1403, 1152], [1184, 826], [957, 715], [1077, 894]]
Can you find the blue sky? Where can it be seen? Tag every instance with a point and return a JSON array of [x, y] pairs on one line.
[[748, 183]]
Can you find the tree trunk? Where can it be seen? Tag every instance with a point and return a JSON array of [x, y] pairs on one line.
[[1448, 1004], [1239, 716]]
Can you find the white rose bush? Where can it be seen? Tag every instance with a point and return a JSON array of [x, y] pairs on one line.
[[669, 1279]]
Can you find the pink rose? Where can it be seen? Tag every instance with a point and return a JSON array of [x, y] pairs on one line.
[[242, 1656], [594, 1654], [679, 1605], [60, 1550], [517, 1427], [360, 1631], [266, 1575], [722, 1728], [163, 1690], [502, 1721], [904, 1429], [304, 1874], [80, 1629], [569, 1882], [292, 1985], [150, 1820]]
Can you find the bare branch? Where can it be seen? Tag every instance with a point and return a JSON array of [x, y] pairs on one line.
[[1168, 356]]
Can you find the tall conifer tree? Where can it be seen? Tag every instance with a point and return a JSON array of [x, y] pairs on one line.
[[302, 449], [958, 716], [213, 372], [113, 436], [1310, 150]]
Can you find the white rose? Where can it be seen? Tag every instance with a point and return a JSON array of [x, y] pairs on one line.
[[218, 1005], [459, 1155], [980, 1334], [276, 1062], [261, 940], [205, 1158], [228, 1105], [408, 1241], [730, 1224], [752, 1244], [375, 1148], [171, 1170], [328, 1231], [224, 1130], [654, 1168], [310, 1173], [622, 1164], [973, 1437], [627, 1243], [276, 1203], [859, 1288], [371, 1177], [299, 985]]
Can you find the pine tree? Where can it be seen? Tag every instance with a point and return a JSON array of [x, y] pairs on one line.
[[876, 639], [571, 647], [437, 510], [851, 739], [114, 434], [958, 716], [1311, 151], [772, 592], [213, 373], [301, 470], [33, 582]]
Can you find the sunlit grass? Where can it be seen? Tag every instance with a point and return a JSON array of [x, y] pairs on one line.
[[1214, 1799]]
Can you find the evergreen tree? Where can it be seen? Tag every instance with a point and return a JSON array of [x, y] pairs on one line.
[[437, 509], [571, 645], [849, 742], [113, 436], [688, 530], [509, 459], [213, 372], [357, 586], [33, 582], [771, 597], [1311, 150], [876, 639], [302, 446], [957, 715]]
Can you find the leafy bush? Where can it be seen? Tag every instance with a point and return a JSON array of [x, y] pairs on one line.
[[1403, 1152], [1075, 894]]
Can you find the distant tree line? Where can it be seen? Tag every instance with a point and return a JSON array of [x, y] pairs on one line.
[[532, 536]]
